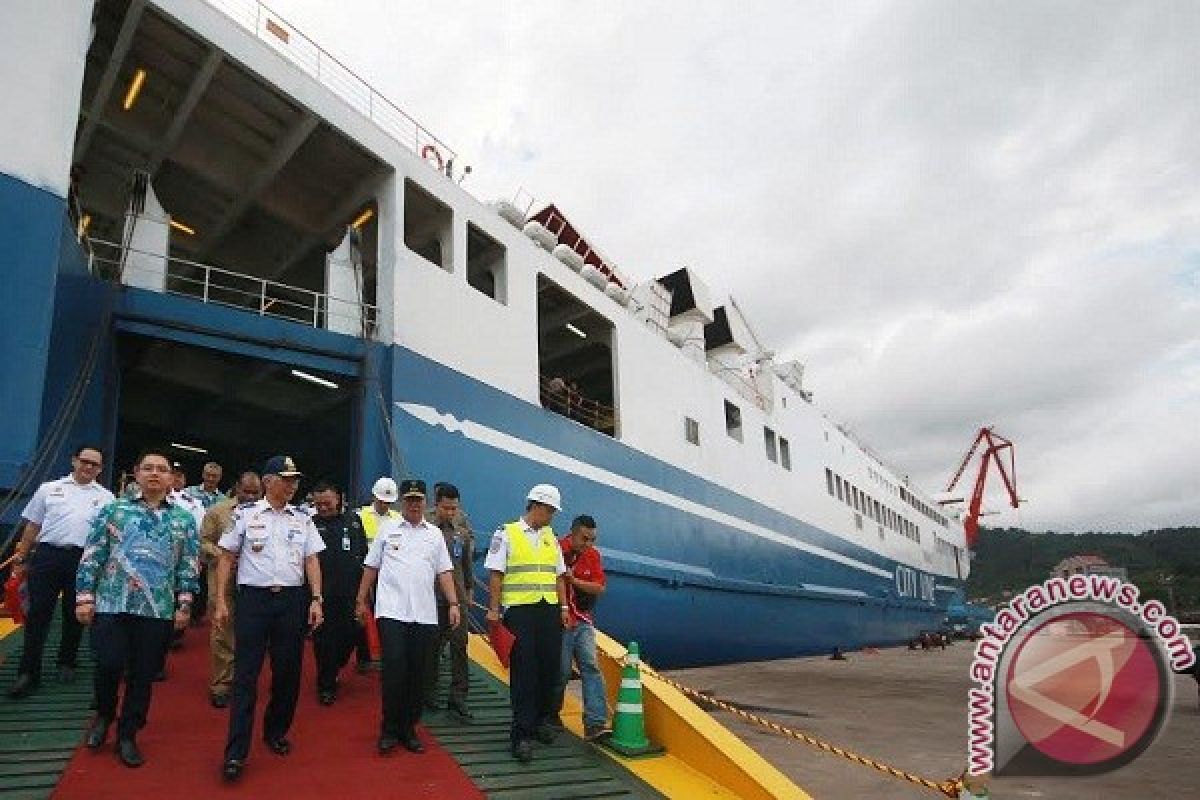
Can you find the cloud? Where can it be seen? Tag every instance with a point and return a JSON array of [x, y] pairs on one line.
[[955, 213]]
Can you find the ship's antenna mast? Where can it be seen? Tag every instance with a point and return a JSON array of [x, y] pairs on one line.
[[995, 444]]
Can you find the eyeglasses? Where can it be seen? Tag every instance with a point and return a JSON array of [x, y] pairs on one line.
[[87, 462]]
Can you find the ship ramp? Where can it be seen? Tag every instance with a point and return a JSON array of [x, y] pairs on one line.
[[41, 755]]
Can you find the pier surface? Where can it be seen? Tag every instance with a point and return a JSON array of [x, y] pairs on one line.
[[908, 709]]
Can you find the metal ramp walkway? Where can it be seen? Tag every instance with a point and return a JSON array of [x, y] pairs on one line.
[[569, 768], [39, 734]]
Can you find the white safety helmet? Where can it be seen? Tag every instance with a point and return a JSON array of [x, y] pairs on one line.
[[547, 495], [385, 489]]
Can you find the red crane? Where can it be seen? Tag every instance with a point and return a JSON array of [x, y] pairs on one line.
[[995, 444]]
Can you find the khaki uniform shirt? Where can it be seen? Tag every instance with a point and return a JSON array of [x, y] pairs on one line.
[[460, 544]]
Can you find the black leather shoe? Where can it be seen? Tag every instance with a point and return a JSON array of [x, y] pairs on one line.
[[231, 770], [66, 674], [523, 751], [280, 746], [97, 732], [460, 708], [219, 700], [412, 744], [387, 743], [22, 687], [326, 698], [127, 751], [545, 734]]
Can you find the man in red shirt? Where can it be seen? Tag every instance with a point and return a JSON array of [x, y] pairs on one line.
[[585, 583]]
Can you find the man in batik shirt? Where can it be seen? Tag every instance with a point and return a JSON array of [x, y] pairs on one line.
[[208, 491], [137, 576]]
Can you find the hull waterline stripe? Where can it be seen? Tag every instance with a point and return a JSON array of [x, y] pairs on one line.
[[551, 458]]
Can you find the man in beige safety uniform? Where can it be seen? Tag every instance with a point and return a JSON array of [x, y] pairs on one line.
[[217, 520]]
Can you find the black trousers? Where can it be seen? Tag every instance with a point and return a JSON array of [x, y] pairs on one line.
[[51, 570], [405, 648], [362, 650], [132, 647], [456, 638], [334, 641], [266, 622], [534, 666]]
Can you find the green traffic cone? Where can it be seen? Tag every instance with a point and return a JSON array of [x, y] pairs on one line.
[[629, 726]]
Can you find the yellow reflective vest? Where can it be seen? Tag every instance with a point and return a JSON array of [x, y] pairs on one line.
[[370, 520], [529, 575]]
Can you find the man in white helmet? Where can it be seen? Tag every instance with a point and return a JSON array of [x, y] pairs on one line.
[[384, 494], [525, 568]]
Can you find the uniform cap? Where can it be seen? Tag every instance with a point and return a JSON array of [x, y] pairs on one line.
[[282, 466], [413, 487], [547, 495], [385, 490]]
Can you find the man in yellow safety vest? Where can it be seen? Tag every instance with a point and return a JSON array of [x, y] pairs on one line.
[[525, 574], [383, 494]]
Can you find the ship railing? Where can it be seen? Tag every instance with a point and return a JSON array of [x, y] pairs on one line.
[[561, 397], [284, 38], [223, 287]]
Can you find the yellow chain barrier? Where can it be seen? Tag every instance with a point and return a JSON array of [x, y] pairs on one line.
[[949, 787]]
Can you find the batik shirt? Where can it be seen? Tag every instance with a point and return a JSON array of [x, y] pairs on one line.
[[139, 560], [207, 499]]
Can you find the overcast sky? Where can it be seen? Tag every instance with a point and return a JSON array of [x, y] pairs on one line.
[[955, 213]]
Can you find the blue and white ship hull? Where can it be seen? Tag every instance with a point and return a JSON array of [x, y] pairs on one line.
[[697, 573]]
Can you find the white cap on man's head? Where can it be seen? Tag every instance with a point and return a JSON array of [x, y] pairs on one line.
[[385, 489], [547, 495]]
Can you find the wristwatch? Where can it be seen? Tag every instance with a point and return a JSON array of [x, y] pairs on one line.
[[316, 598]]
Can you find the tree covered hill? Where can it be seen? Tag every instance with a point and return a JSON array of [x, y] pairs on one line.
[[1160, 562]]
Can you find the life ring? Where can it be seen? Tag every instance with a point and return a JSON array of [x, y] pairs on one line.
[[428, 150]]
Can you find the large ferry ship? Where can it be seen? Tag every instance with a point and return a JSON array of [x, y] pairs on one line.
[[216, 235]]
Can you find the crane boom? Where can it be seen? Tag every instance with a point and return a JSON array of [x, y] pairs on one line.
[[995, 444]]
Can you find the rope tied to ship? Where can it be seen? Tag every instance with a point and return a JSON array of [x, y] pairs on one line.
[[949, 787]]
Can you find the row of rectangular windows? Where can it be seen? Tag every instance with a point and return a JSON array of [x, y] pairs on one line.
[[863, 503], [778, 449], [916, 503]]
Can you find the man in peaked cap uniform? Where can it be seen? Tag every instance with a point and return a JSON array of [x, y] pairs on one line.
[[276, 546], [404, 560]]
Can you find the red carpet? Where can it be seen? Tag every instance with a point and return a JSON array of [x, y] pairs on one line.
[[333, 749]]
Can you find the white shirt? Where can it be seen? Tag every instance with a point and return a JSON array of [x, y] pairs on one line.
[[497, 557], [272, 545], [191, 503], [65, 510], [409, 559]]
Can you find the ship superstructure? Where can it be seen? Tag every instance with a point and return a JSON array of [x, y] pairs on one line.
[[227, 240]]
